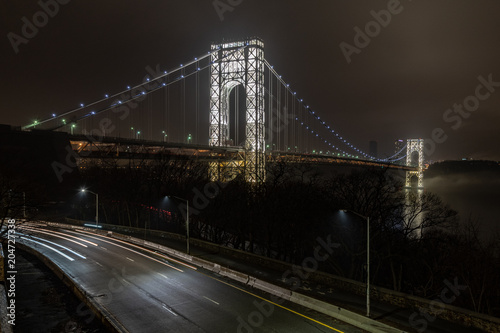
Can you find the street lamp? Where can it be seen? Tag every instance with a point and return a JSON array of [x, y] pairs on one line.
[[189, 138], [367, 258], [187, 219], [164, 136], [96, 205]]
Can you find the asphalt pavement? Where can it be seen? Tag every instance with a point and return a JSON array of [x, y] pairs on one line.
[[149, 292]]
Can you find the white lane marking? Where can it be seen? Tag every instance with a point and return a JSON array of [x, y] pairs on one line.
[[65, 234], [99, 264], [166, 308], [63, 247], [144, 249], [51, 234], [163, 275], [102, 247], [211, 300], [129, 259], [141, 254], [49, 247]]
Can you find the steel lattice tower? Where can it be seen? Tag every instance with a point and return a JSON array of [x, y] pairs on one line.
[[417, 145], [233, 64]]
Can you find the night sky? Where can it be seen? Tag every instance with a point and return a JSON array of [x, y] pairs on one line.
[[400, 85]]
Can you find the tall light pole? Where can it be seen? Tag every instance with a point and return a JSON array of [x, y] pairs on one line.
[[187, 219], [367, 259], [96, 205]]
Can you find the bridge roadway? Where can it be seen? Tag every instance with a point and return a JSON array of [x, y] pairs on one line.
[[150, 292], [122, 148]]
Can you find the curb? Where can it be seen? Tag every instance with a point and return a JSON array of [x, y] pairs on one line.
[[331, 310], [106, 318]]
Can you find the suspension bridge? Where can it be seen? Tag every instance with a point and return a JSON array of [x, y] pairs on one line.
[[228, 106]]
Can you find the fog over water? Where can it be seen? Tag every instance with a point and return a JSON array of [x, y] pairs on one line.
[[475, 196]]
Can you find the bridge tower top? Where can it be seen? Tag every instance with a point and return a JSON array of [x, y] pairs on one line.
[[237, 63], [415, 145]]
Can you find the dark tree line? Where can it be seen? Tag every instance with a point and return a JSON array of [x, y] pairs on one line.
[[417, 241]]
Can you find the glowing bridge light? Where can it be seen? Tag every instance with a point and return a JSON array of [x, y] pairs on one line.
[[81, 104], [93, 112], [106, 95], [128, 87], [147, 79], [53, 115]]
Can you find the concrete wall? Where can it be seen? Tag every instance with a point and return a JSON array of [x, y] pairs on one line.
[[441, 310]]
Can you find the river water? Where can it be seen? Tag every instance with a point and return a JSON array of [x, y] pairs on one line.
[[475, 196]]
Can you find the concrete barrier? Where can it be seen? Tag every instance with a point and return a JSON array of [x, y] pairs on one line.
[[283, 293], [349, 317], [447, 312], [106, 318], [234, 275], [271, 289]]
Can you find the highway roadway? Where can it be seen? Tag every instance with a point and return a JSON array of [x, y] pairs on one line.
[[147, 291]]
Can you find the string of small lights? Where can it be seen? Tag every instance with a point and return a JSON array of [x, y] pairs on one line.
[[320, 137], [391, 157], [141, 87], [318, 118]]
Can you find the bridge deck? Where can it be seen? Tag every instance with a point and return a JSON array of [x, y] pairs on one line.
[[120, 148]]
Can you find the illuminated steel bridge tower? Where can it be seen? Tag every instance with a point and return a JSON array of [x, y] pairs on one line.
[[415, 145], [233, 64]]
